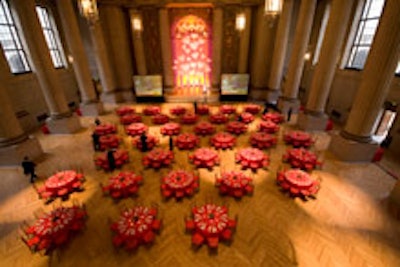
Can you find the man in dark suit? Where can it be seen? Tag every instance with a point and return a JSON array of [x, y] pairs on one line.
[[29, 168]]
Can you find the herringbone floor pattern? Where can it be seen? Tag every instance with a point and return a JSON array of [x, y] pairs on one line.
[[347, 225]]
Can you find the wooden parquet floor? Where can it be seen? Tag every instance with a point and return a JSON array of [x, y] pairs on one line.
[[346, 225]]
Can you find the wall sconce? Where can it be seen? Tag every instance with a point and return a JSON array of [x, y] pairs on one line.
[[307, 56], [240, 22], [136, 21], [88, 9], [273, 7]]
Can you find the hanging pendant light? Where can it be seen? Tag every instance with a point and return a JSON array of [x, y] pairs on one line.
[[88, 9], [273, 7]]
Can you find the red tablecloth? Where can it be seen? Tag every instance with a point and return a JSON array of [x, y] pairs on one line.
[[273, 116], [252, 158], [252, 108], [227, 109], [122, 185], [61, 184], [105, 128], [124, 111], [245, 117], [151, 142], [187, 141], [204, 128], [189, 118], [202, 109], [160, 119], [179, 184], [218, 118], [136, 226], [158, 158], [130, 118], [298, 139], [236, 127], [235, 184], [177, 110], [135, 129], [223, 140], [297, 182], [302, 159], [204, 158], [108, 141], [54, 229], [210, 224], [121, 157], [268, 127], [151, 110], [262, 140], [170, 129]]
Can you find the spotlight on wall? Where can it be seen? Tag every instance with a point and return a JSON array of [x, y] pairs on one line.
[[240, 21], [88, 9], [273, 7]]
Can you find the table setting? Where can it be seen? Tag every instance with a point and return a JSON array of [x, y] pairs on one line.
[[135, 129], [108, 141], [204, 158], [179, 184], [298, 139], [223, 140], [121, 157], [262, 140], [151, 142], [158, 158], [187, 141], [252, 158], [160, 119], [218, 118], [236, 127], [130, 118], [235, 184], [121, 111], [268, 127], [151, 110], [302, 159], [298, 183], [170, 129], [189, 118], [105, 128], [122, 185], [204, 128], [252, 108], [274, 117]]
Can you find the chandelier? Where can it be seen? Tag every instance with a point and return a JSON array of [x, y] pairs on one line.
[[88, 9], [273, 7]]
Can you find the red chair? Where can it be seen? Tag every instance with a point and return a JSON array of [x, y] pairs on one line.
[[149, 237], [118, 240], [227, 234], [189, 225], [197, 239], [131, 244], [156, 225], [213, 242]]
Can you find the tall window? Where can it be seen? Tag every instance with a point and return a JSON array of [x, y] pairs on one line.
[[51, 36], [11, 42]]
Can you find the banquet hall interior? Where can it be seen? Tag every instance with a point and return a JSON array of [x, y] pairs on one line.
[[200, 133]]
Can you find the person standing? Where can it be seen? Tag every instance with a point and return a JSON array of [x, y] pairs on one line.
[[29, 168], [195, 107], [171, 143], [289, 114], [143, 140], [96, 141], [111, 160], [97, 121]]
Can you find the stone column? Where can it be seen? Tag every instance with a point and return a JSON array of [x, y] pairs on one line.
[[117, 35], [355, 143], [166, 49], [90, 106], [107, 79], [138, 47], [280, 48], [14, 143], [61, 119], [296, 62], [244, 43], [314, 118], [217, 28]]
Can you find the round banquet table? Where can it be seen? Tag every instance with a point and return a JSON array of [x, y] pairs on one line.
[[61, 184], [160, 119], [268, 127], [151, 142], [189, 118], [273, 116], [151, 110], [123, 185], [136, 129], [177, 110], [252, 158], [252, 108], [227, 109], [130, 118], [202, 109], [302, 159], [124, 111], [223, 140], [209, 225], [262, 140], [158, 158], [236, 127], [246, 117], [121, 157], [204, 128], [298, 139], [235, 184], [54, 229], [108, 141], [187, 141], [136, 226], [170, 129], [105, 128], [179, 184], [204, 158], [297, 182], [218, 118]]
